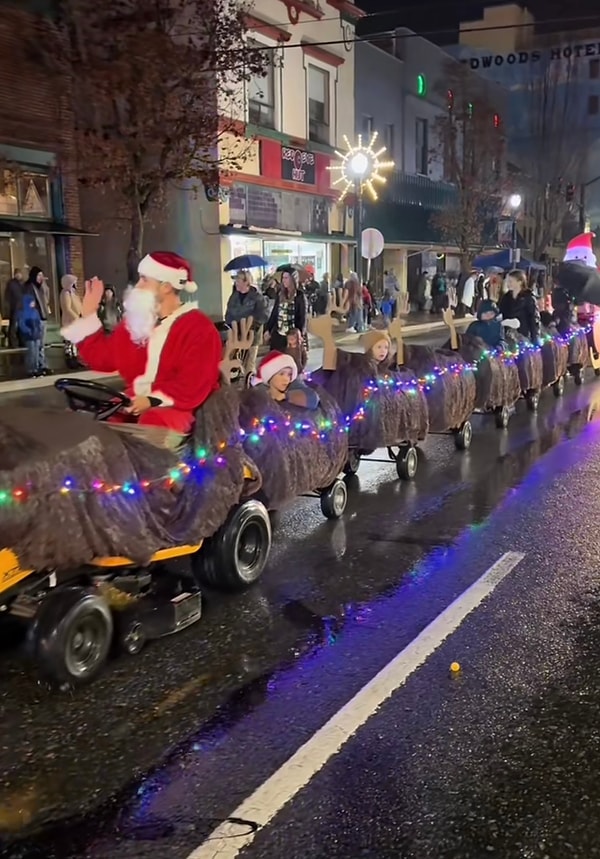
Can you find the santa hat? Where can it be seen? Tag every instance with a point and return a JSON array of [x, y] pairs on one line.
[[168, 268], [272, 364], [580, 250]]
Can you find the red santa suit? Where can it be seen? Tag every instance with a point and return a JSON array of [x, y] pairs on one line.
[[179, 365]]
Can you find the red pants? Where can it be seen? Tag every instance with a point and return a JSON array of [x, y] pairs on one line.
[[160, 416]]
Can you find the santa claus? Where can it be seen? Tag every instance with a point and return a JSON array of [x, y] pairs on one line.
[[167, 352]]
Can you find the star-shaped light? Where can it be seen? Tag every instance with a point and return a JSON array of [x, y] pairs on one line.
[[360, 165]]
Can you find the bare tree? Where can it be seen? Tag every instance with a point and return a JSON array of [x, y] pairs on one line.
[[469, 142], [550, 147], [158, 89]]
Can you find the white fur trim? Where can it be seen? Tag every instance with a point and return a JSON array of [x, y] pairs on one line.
[[511, 323], [177, 277], [81, 328], [164, 400], [142, 386], [191, 286], [274, 366]]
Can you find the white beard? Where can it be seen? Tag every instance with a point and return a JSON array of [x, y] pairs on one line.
[[141, 314]]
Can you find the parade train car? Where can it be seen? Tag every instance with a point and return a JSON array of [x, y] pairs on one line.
[[134, 506]]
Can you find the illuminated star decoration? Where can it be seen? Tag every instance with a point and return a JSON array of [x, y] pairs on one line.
[[368, 159]]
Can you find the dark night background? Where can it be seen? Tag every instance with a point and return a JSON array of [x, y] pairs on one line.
[[438, 19]]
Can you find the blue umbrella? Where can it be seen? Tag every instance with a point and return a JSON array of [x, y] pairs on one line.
[[245, 262]]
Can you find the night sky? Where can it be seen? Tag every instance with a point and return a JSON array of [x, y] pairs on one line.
[[438, 19]]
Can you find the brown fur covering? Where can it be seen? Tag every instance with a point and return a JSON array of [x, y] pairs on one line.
[[497, 382], [554, 361], [42, 448], [391, 417], [579, 352], [293, 466], [451, 399], [529, 365]]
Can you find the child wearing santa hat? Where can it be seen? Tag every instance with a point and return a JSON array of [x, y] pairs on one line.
[[279, 374]]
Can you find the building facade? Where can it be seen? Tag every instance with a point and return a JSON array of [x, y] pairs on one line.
[[39, 206], [402, 92], [554, 84]]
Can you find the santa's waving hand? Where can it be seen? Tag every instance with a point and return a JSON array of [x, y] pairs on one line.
[[167, 352]]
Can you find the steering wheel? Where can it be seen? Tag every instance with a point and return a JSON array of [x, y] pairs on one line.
[[93, 397]]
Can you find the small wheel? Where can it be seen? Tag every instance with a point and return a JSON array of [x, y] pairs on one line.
[[558, 388], [72, 635], [352, 463], [133, 638], [533, 400], [334, 500], [407, 463], [235, 557], [464, 436], [502, 417]]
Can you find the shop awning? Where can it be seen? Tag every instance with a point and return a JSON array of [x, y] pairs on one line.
[[53, 228]]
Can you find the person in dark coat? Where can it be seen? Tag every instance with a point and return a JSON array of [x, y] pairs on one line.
[[289, 311], [13, 296], [519, 303], [488, 326], [245, 301]]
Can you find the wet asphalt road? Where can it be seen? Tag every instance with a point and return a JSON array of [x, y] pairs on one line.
[[500, 759]]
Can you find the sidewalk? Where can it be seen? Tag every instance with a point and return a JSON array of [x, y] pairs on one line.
[[415, 325]]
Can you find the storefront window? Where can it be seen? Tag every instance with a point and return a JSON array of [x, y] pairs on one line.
[[9, 203], [28, 250], [33, 195], [241, 245], [313, 254]]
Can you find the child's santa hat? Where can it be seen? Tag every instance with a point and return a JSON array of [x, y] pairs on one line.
[[580, 250], [168, 268], [272, 364]]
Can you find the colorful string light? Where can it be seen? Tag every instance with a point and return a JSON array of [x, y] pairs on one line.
[[204, 459]]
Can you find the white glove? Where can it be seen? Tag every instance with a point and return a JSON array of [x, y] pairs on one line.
[[511, 323]]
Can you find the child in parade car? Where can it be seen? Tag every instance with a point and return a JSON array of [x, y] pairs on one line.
[[489, 326], [278, 372]]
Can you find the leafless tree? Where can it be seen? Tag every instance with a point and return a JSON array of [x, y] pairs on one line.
[[469, 141], [550, 147], [157, 89]]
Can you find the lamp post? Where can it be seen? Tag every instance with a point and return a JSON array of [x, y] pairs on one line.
[[360, 168], [514, 202]]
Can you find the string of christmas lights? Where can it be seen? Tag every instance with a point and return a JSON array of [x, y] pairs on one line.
[[204, 459]]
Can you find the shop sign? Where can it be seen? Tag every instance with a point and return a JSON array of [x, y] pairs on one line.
[[565, 52], [297, 165]]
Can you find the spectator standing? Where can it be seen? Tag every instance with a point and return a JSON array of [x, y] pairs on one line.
[[36, 285], [14, 294]]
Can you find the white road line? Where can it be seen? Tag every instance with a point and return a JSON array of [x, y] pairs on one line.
[[229, 839]]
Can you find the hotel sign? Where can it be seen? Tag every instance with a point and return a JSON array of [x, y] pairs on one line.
[[565, 52]]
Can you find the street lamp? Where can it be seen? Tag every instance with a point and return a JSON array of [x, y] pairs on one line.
[[514, 202], [360, 168]]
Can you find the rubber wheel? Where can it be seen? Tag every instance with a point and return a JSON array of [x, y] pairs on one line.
[[464, 436], [352, 463], [558, 388], [502, 417], [334, 500], [72, 635], [132, 639], [578, 378], [235, 557], [407, 464], [533, 400]]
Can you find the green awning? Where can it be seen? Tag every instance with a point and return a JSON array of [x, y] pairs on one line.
[[53, 228]]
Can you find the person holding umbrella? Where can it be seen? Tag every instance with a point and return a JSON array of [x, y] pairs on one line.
[[289, 311]]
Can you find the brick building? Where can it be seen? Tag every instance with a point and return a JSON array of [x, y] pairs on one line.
[[39, 201]]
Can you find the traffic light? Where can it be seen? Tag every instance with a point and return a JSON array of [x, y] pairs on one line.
[[570, 193]]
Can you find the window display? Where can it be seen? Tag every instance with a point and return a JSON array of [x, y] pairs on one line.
[[280, 252]]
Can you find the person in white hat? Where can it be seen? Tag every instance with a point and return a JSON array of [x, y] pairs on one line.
[[279, 374], [167, 352]]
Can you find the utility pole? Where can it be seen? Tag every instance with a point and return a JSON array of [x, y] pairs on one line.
[[582, 188]]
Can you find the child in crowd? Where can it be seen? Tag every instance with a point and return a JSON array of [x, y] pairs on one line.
[[296, 349]]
